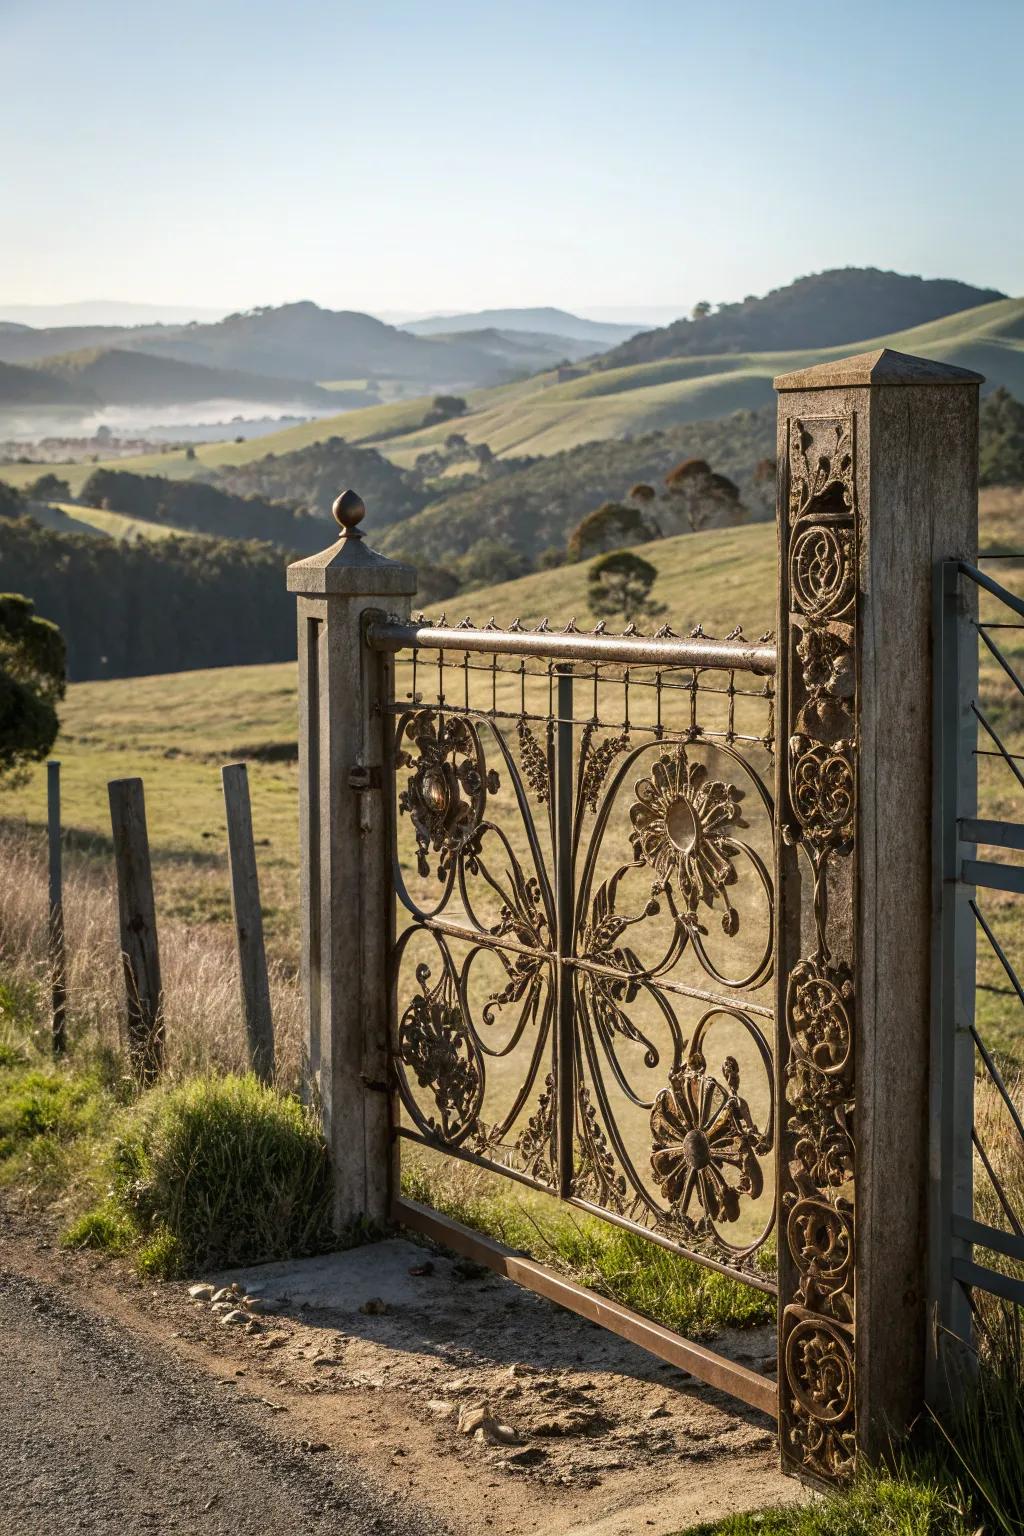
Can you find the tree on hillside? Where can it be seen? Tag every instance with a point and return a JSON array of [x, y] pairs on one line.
[[49, 487], [444, 408], [613, 526], [11, 501], [620, 583], [32, 681], [694, 489], [490, 561], [1001, 424], [700, 309]]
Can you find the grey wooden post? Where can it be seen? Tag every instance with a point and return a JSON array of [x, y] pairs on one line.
[[140, 952], [878, 459], [55, 924], [248, 914], [346, 880]]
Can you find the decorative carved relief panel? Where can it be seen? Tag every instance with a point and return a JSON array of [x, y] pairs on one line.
[[817, 1007]]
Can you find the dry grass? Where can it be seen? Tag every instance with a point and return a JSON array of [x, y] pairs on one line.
[[202, 1017], [1002, 1143]]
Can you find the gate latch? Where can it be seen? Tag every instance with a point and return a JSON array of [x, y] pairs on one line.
[[363, 776]]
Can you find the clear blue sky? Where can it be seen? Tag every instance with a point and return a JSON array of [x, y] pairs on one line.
[[413, 155]]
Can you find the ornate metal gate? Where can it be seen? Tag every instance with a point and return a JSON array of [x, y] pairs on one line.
[[583, 841]]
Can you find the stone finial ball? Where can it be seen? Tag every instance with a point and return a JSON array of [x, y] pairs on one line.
[[349, 509]]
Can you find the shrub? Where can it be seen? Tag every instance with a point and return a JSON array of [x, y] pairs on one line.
[[222, 1171]]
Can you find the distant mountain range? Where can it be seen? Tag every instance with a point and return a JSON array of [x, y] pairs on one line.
[[274, 355], [824, 310], [107, 312], [545, 321], [282, 358], [98, 376]]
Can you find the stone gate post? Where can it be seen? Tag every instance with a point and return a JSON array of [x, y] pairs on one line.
[[345, 911], [878, 458]]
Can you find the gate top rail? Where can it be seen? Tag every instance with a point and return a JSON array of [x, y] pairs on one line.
[[735, 654]]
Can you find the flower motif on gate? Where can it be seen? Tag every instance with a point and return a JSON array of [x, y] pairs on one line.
[[700, 1127], [447, 789], [682, 827]]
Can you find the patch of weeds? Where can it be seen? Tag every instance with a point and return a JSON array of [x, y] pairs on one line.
[[52, 1120], [19, 1006], [215, 1172], [161, 1255], [624, 1266], [891, 1504], [105, 1227]]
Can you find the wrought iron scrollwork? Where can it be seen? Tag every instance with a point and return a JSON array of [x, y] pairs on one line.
[[668, 851], [435, 1045]]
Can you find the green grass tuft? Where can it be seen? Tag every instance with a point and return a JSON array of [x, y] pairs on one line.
[[895, 1504], [218, 1172], [106, 1227], [51, 1122]]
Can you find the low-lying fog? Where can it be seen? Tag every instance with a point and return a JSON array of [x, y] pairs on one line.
[[201, 421]]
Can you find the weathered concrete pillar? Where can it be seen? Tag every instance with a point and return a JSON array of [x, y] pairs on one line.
[[878, 458], [346, 912]]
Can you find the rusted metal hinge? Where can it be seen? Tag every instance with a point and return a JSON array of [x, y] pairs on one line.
[[363, 776]]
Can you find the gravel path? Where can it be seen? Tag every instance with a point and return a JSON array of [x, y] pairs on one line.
[[101, 1433]]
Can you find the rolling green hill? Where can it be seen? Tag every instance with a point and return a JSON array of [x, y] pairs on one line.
[[541, 416], [69, 517], [826, 309], [28, 386], [113, 376]]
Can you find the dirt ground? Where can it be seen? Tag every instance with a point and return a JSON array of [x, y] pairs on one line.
[[429, 1396]]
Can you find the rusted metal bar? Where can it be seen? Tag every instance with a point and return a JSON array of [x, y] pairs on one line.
[[738, 1380], [565, 1001], [464, 1154], [631, 650]]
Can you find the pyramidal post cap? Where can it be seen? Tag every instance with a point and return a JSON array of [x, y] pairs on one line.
[[883, 366], [349, 509]]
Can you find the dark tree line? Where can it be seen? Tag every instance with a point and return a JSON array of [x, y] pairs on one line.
[[129, 609], [204, 508]]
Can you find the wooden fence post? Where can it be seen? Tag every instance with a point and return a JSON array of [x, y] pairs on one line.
[[878, 466], [245, 903], [55, 924], [346, 911], [140, 953]]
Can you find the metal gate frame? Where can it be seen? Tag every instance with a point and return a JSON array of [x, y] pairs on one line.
[[564, 651], [957, 1045]]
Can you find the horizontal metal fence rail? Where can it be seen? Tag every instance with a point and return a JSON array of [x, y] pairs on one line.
[[573, 645]]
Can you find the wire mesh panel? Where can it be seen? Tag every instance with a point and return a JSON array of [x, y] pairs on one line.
[[583, 845]]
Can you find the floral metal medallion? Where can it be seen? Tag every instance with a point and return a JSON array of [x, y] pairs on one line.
[[683, 822], [700, 1127]]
